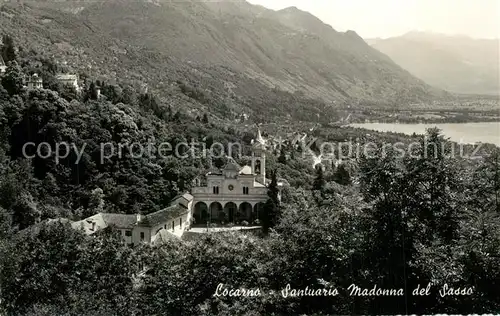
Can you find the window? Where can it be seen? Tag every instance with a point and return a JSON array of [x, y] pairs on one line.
[[245, 190], [173, 225], [142, 236], [165, 226], [257, 167], [216, 190], [93, 226], [180, 222], [128, 233]]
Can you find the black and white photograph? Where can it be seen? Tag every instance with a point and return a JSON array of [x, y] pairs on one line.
[[249, 157]]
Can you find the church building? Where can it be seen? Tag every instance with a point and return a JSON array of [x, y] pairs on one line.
[[235, 194]]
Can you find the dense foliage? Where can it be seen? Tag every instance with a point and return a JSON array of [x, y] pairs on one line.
[[384, 220]]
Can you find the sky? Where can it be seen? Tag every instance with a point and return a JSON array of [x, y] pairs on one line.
[[388, 18]]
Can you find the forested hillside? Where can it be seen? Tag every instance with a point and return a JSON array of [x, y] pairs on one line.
[[455, 63], [384, 220], [228, 57], [174, 72]]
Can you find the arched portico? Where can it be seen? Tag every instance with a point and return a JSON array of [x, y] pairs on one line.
[[224, 212], [230, 210], [215, 211], [244, 212], [200, 213]]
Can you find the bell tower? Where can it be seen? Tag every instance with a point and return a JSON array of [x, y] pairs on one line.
[[259, 158]]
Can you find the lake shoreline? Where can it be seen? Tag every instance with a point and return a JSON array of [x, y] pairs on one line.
[[470, 132]]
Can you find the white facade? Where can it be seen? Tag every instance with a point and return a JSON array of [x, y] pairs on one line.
[[234, 195], [136, 229], [35, 82], [69, 80]]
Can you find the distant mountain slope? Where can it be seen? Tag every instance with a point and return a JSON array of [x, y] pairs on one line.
[[259, 42], [455, 63], [234, 51]]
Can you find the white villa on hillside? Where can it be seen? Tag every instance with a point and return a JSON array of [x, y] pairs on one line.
[[69, 80], [34, 82]]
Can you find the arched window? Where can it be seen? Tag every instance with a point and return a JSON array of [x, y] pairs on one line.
[[257, 167]]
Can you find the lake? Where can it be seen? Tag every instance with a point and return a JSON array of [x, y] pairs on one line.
[[487, 132]]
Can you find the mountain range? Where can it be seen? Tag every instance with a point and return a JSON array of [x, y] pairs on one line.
[[240, 54], [455, 63]]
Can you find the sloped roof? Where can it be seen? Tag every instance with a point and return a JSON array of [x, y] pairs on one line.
[[183, 199], [119, 220], [162, 216], [66, 77], [258, 184], [104, 220], [186, 196], [163, 236], [35, 229], [246, 170], [231, 165], [86, 224]]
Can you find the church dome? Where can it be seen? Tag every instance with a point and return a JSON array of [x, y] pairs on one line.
[[246, 170]]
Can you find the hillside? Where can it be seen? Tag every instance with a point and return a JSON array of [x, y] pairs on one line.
[[260, 43], [454, 63], [237, 55]]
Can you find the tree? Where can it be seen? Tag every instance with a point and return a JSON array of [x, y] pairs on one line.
[[272, 189], [282, 156], [25, 212], [91, 92], [8, 49], [319, 181], [177, 117], [5, 223], [129, 96], [113, 93], [204, 120], [341, 175], [271, 212], [96, 203], [68, 93], [54, 267], [12, 81], [486, 183], [269, 215]]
